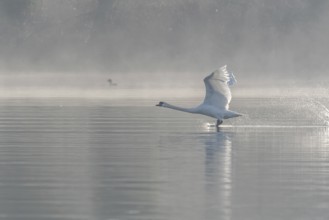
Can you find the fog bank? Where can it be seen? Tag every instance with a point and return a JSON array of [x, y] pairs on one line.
[[79, 44]]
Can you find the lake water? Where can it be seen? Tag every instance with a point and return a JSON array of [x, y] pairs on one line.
[[129, 160]]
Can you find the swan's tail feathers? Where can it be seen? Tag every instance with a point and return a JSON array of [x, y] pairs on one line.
[[237, 114], [232, 114], [160, 104]]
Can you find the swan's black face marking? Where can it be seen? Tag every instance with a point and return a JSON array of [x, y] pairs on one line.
[[160, 104]]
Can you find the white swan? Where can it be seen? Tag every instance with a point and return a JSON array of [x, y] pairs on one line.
[[217, 99]]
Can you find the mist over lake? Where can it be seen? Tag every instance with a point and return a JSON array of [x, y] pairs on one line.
[[81, 136]]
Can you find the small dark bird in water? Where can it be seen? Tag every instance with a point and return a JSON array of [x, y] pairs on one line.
[[111, 82]]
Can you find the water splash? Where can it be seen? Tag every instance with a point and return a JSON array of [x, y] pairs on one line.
[[278, 112], [317, 108]]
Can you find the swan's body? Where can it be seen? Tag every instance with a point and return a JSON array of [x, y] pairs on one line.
[[217, 99]]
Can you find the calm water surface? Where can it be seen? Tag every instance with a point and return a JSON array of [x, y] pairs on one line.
[[112, 160]]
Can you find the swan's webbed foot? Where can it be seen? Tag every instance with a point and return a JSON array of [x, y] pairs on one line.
[[219, 122]]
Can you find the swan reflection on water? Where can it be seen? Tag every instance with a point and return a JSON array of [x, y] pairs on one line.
[[218, 175]]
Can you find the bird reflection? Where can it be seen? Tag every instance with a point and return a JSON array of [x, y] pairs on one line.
[[326, 135], [218, 175]]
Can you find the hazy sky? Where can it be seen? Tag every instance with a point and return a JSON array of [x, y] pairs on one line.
[[70, 41]]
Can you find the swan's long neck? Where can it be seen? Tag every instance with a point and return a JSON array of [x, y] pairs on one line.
[[190, 110]]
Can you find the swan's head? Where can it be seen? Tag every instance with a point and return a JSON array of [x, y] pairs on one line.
[[161, 104]]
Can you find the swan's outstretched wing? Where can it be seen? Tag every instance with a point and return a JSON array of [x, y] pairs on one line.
[[218, 93], [232, 79]]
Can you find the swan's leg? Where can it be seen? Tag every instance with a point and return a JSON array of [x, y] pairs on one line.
[[219, 122]]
